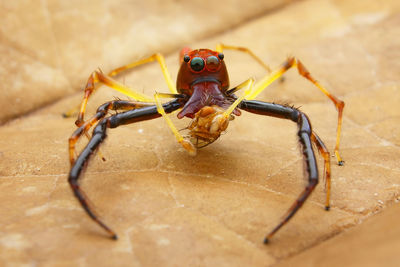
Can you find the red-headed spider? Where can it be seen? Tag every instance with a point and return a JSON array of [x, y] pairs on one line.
[[202, 94]]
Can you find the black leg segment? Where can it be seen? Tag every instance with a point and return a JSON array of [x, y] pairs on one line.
[[305, 139], [99, 135]]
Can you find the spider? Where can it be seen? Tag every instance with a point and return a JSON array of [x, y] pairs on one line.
[[202, 94]]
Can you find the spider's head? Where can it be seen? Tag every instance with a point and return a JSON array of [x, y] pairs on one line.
[[201, 65]]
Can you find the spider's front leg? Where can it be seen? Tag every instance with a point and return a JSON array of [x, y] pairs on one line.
[[306, 137], [98, 136]]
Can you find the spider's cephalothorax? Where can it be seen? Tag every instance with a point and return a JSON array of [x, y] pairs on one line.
[[201, 93], [203, 77]]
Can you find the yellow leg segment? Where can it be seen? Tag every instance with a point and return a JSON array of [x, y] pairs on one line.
[[185, 143], [248, 84], [99, 76], [327, 166], [110, 82], [160, 59], [220, 48], [294, 62]]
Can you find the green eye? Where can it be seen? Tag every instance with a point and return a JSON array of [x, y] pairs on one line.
[[197, 64]]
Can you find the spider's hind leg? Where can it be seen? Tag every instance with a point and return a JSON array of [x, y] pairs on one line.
[[220, 48], [327, 166], [99, 77], [292, 62]]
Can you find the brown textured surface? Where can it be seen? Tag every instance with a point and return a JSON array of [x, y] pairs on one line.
[[213, 209], [374, 243]]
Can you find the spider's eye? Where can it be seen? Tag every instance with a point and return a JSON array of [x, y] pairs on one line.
[[186, 58], [212, 63], [221, 56], [197, 64]]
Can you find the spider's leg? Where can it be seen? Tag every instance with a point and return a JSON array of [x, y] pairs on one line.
[[248, 85], [118, 105], [185, 143], [98, 136], [220, 48], [305, 139], [99, 76], [121, 105], [161, 61], [294, 62], [327, 166]]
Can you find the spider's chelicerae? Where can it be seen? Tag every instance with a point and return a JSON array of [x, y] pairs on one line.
[[202, 94]]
